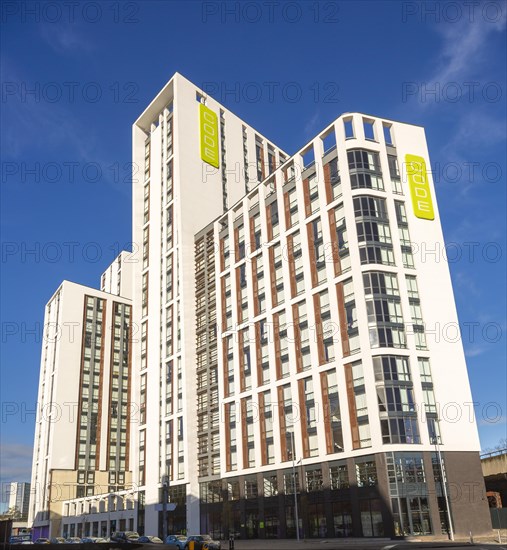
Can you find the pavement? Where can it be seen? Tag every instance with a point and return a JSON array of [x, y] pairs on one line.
[[489, 542]]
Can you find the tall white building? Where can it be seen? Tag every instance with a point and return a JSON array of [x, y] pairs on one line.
[[18, 497], [290, 372], [176, 195], [82, 429], [290, 331]]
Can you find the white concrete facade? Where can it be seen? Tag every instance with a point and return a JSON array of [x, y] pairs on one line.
[[166, 141], [117, 278], [171, 126], [81, 428]]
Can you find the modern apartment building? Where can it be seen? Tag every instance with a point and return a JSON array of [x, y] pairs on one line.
[[291, 372], [18, 497], [177, 195], [81, 445]]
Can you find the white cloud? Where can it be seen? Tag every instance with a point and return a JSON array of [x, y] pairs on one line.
[[463, 48], [16, 460], [65, 38], [311, 124]]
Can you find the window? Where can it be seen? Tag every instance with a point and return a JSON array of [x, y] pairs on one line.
[[366, 473], [373, 232], [391, 368], [329, 141], [387, 133], [289, 485], [377, 254], [366, 181], [292, 203], [332, 416], [314, 481], [308, 157], [384, 311], [355, 377], [332, 180], [339, 477], [250, 488], [369, 129], [394, 170], [361, 159], [240, 242], [313, 194], [402, 429], [310, 414], [270, 485], [370, 207], [349, 128], [387, 337], [316, 245], [364, 169]]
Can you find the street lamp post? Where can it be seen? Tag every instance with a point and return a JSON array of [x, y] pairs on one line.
[[444, 488], [295, 488], [165, 491], [436, 436]]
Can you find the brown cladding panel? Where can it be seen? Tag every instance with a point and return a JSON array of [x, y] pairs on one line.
[[241, 342], [311, 252], [269, 222], [303, 419], [283, 428], [129, 389], [272, 276], [286, 204], [319, 333], [327, 183], [292, 266], [262, 417], [252, 234], [227, 419], [335, 250], [255, 285], [351, 399], [258, 353], [225, 367], [297, 338], [276, 340], [326, 412], [306, 193], [244, 434]]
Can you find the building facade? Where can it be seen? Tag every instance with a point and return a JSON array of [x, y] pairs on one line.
[[18, 497], [82, 442], [292, 360], [290, 374], [175, 195]]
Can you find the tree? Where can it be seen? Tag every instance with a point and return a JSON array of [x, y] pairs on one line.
[[12, 513], [500, 446]]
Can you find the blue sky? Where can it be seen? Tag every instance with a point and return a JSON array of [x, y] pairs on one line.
[[73, 82]]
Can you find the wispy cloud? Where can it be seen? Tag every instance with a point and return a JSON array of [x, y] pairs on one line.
[[477, 130], [465, 283], [65, 38], [55, 125], [16, 462], [461, 67], [311, 124], [47, 129], [476, 350], [463, 47], [493, 421]]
